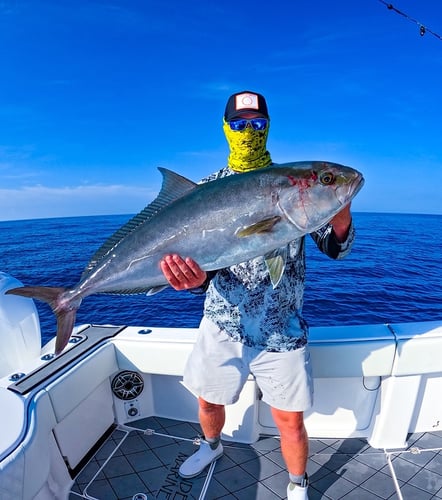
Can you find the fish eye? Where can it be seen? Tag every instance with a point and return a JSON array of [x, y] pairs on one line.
[[326, 178]]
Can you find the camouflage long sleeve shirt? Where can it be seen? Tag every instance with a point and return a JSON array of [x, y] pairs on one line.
[[242, 301]]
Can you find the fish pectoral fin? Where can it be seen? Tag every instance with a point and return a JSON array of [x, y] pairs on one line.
[[276, 261], [263, 226]]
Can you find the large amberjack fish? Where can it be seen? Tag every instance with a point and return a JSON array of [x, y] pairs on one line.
[[218, 224]]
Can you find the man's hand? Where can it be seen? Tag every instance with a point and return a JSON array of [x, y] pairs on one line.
[[182, 274], [341, 223]]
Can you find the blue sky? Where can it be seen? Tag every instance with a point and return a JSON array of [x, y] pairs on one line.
[[95, 95]]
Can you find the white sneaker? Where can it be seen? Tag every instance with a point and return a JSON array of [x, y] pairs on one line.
[[296, 492], [197, 462]]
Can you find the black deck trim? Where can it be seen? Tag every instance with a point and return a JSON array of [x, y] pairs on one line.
[[89, 338]]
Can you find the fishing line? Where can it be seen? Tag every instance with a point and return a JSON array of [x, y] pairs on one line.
[[422, 28]]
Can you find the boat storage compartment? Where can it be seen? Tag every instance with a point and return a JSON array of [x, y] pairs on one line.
[[82, 403], [411, 397], [348, 366]]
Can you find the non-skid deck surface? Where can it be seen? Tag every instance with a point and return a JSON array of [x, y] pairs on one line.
[[141, 462]]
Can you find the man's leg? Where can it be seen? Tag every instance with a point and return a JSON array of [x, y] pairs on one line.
[[212, 418], [294, 439], [294, 449], [216, 371]]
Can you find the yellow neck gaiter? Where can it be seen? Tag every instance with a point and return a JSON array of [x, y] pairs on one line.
[[247, 148]]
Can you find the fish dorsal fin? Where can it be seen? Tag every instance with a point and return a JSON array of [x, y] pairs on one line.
[[276, 261], [174, 186]]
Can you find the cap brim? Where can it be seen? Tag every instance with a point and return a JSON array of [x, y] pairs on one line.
[[244, 112]]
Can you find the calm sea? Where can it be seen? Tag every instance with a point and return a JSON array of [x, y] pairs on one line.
[[394, 273]]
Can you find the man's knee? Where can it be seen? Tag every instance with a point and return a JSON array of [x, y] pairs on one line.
[[289, 421], [207, 406]]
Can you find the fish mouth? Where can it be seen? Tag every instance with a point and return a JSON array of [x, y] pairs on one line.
[[353, 189], [357, 185]]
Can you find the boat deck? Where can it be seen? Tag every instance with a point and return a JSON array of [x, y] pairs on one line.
[[141, 462]]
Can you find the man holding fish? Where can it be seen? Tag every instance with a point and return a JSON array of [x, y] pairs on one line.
[[245, 234], [252, 320]]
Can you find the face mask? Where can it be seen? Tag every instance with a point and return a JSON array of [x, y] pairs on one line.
[[247, 148]]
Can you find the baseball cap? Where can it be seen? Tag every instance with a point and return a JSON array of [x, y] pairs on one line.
[[245, 101]]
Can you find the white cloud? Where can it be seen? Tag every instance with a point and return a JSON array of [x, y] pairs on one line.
[[41, 202]]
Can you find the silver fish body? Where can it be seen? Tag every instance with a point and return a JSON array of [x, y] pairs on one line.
[[218, 224]]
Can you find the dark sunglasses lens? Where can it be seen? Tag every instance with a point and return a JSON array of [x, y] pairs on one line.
[[258, 123], [238, 125]]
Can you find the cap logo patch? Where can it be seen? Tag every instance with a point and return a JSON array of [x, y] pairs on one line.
[[246, 101]]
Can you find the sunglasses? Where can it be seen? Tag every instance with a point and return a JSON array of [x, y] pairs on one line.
[[255, 123]]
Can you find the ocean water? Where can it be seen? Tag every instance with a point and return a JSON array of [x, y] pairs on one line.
[[392, 275]]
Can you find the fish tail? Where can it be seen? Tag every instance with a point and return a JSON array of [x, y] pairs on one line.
[[64, 309]]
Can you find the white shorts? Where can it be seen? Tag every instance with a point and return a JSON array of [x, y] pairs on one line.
[[218, 368]]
